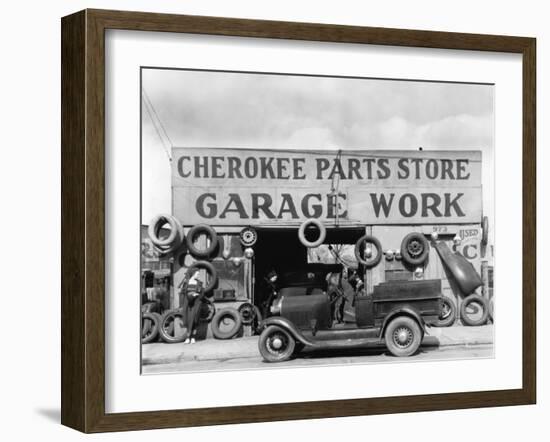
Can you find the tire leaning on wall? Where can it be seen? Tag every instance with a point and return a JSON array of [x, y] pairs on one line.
[[448, 311], [149, 327], [246, 311], [464, 314], [226, 313], [167, 328]]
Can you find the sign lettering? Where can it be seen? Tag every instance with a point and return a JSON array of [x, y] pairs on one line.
[[246, 186]]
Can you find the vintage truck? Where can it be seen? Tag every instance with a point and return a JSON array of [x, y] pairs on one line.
[[396, 315]]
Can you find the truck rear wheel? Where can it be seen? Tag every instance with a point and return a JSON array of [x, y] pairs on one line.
[[403, 336], [276, 344]]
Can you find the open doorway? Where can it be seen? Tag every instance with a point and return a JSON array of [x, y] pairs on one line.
[[280, 250]]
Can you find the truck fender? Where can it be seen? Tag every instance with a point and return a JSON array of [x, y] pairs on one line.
[[286, 325], [404, 311]]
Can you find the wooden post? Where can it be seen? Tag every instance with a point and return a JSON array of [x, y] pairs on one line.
[[485, 279]]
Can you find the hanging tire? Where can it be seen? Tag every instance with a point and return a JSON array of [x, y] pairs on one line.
[[207, 310], [197, 230], [149, 327], [276, 344], [221, 328], [448, 313], [369, 261], [167, 329], [302, 233], [248, 236], [209, 268], [403, 336], [174, 239], [474, 310], [492, 310], [415, 249]]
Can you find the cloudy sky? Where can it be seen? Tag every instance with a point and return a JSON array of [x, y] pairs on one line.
[[220, 109]]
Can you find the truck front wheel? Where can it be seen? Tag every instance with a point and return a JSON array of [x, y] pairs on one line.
[[403, 336], [276, 344]]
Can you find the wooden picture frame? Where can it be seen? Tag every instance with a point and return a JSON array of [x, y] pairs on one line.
[[83, 219]]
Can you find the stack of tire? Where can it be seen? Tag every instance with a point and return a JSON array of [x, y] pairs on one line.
[[226, 323], [172, 328], [474, 309], [169, 326], [229, 322], [414, 251], [171, 323]]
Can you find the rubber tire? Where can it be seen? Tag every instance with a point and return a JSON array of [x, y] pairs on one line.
[[247, 305], [149, 323], [175, 238], [492, 310], [405, 252], [218, 317], [450, 320], [302, 233], [158, 315], [484, 231], [262, 345], [211, 310], [242, 240], [463, 315], [155, 327], [162, 332], [209, 268], [146, 324], [412, 325], [373, 261], [193, 232]]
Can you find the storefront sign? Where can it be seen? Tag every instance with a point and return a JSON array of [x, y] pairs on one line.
[[244, 186]]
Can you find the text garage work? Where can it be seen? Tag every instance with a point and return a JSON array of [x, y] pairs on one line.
[[232, 186]]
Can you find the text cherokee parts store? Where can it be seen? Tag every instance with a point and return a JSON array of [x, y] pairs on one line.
[[241, 216]]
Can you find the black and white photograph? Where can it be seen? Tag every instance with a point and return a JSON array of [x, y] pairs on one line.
[[308, 220]]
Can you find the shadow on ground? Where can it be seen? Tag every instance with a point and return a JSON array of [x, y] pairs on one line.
[[429, 344], [51, 414]]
